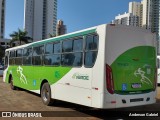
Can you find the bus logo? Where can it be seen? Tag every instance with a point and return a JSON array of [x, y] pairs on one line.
[[144, 79], [80, 76], [22, 77]]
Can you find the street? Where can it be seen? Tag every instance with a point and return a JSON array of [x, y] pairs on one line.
[[21, 100]]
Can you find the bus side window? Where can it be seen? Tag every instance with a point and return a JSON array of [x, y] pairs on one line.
[[72, 53], [6, 59], [37, 58], [27, 56], [18, 57], [67, 46], [52, 54], [12, 58], [91, 50]]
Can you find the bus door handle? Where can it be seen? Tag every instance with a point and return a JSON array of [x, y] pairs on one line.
[[67, 83]]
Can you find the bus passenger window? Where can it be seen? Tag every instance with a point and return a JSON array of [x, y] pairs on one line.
[[27, 56], [6, 59], [52, 60], [91, 50], [90, 58], [12, 58], [37, 55], [18, 58], [67, 46], [72, 52], [49, 48], [78, 45], [91, 42], [57, 48], [72, 59], [78, 59], [68, 59], [53, 57]]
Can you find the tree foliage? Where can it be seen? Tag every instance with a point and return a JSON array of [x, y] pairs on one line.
[[21, 36]]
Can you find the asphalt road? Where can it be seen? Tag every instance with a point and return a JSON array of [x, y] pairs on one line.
[[22, 101]]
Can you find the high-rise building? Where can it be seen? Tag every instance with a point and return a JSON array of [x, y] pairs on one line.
[[147, 14], [2, 18], [40, 18], [136, 8], [151, 16], [61, 28], [156, 18], [126, 19]]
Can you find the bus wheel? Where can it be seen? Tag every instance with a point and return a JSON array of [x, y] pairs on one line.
[[46, 94], [11, 84]]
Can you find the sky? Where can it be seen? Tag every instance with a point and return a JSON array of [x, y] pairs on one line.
[[76, 14]]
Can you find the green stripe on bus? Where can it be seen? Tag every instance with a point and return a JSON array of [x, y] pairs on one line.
[[65, 37], [34, 75]]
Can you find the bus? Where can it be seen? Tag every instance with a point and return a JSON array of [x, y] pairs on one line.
[[107, 66]]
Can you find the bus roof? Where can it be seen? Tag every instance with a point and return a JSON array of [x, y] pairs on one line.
[[58, 38]]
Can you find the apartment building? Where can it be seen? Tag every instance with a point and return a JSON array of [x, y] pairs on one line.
[[40, 18]]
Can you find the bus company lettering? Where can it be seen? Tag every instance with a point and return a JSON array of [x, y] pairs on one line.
[[80, 76]]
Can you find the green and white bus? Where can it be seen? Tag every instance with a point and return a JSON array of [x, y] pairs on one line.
[[108, 66]]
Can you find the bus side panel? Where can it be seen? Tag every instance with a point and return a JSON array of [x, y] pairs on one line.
[[73, 87], [72, 94]]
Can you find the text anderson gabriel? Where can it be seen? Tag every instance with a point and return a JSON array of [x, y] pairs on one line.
[[144, 114]]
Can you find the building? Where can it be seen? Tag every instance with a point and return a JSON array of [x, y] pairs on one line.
[[136, 8], [151, 15], [2, 18], [5, 43], [60, 28], [147, 14], [151, 18], [155, 28], [40, 17], [126, 19]]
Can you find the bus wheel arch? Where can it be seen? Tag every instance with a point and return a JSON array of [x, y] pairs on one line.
[[45, 92]]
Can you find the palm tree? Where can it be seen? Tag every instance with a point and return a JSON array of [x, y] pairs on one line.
[[21, 36], [52, 35]]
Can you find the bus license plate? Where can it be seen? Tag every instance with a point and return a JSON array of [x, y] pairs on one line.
[[136, 85]]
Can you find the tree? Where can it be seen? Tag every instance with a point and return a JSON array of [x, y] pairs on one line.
[[52, 35], [21, 36]]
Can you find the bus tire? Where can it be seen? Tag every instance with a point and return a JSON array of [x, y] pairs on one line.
[[11, 83], [46, 94]]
